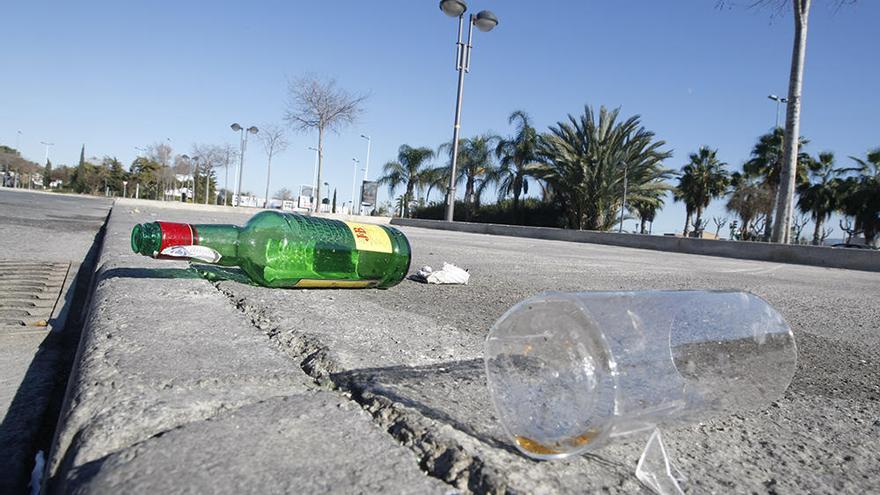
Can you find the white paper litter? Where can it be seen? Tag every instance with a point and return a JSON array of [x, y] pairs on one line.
[[448, 275]]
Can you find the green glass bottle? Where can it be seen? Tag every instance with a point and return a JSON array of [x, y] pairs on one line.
[[280, 249]]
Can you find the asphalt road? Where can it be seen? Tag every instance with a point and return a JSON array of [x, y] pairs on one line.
[[48, 227], [411, 358], [38, 229]]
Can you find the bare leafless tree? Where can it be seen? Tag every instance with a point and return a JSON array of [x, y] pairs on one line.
[[161, 153], [699, 227], [210, 156], [848, 226], [319, 104], [284, 194], [230, 154], [757, 227], [797, 225], [825, 234], [719, 222], [274, 141]]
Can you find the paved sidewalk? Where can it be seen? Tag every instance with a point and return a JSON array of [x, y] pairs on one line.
[[187, 385]]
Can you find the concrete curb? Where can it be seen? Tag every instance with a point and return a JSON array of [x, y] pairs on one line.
[[851, 259], [170, 377], [176, 205]]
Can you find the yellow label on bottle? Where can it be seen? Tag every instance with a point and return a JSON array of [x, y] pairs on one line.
[[308, 283], [369, 237]]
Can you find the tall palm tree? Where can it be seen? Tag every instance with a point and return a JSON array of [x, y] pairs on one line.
[[702, 180], [648, 204], [860, 196], [515, 154], [749, 199], [767, 163], [586, 159], [434, 178], [474, 164], [818, 197], [791, 156], [682, 193], [406, 171]]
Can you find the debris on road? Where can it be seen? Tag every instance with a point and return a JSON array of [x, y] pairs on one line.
[[448, 275], [656, 470]]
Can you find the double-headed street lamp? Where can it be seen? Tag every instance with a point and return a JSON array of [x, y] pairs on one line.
[[252, 130], [485, 21], [778, 100]]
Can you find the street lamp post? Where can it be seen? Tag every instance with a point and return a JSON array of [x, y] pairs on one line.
[[190, 160], [485, 21], [192, 177], [244, 132], [47, 145], [137, 188], [316, 199], [192, 165], [366, 171], [623, 205], [354, 176], [207, 183], [778, 100], [226, 178]]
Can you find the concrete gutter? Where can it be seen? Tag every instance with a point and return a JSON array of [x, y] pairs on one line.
[[851, 259]]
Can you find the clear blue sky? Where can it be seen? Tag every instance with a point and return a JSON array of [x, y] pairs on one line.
[[115, 75]]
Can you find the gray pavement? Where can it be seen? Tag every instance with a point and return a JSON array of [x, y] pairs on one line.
[[44, 238], [48, 227], [185, 385]]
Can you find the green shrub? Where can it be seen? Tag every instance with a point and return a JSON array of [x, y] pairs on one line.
[[532, 212]]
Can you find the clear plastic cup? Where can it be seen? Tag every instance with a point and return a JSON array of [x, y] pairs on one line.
[[569, 372]]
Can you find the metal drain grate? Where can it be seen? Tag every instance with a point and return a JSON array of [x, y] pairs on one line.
[[29, 293]]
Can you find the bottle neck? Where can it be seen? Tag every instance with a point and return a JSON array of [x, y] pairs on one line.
[[212, 243], [221, 238]]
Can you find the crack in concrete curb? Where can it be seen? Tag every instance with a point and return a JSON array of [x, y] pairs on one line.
[[439, 458], [76, 476]]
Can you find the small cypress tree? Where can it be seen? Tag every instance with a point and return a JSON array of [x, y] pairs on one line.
[[47, 174], [334, 200], [79, 175]]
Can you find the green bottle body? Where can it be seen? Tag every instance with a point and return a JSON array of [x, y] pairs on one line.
[[278, 249]]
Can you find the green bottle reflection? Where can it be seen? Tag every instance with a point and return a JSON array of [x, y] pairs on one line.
[[278, 249]]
